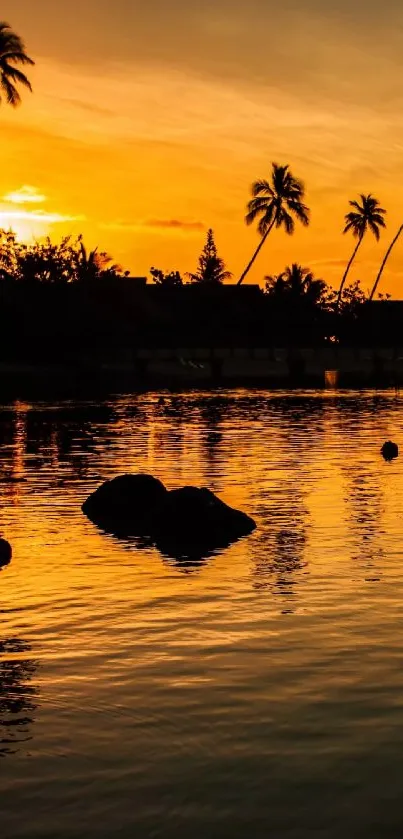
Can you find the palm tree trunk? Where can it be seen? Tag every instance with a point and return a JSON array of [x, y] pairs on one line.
[[257, 251], [347, 272], [386, 257]]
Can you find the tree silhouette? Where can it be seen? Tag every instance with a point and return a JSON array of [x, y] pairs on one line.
[[12, 53], [367, 215], [62, 262], [296, 284], [91, 265], [211, 268], [385, 259], [276, 203], [172, 279]]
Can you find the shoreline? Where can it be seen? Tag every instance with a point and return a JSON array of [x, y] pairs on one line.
[[317, 368]]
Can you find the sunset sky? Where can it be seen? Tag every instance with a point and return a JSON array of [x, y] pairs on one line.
[[150, 120]]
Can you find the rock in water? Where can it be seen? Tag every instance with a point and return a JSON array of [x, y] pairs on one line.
[[194, 522], [183, 522], [5, 553], [125, 504], [389, 450]]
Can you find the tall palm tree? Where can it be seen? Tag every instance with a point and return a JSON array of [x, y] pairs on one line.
[[367, 215], [385, 259], [12, 53], [276, 203]]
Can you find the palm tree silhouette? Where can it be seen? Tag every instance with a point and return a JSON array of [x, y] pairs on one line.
[[367, 215], [90, 265], [385, 259], [12, 52], [295, 284], [276, 203]]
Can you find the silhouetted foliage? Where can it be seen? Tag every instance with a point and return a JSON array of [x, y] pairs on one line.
[[211, 268], [171, 279], [60, 303], [297, 285], [298, 304], [278, 203], [12, 53], [367, 215], [91, 265], [47, 262], [354, 298]]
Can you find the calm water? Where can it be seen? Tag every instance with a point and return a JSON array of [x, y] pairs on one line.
[[258, 694]]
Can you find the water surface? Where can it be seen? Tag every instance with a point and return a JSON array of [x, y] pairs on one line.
[[259, 693]]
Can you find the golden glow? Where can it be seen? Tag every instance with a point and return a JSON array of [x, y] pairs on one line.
[[141, 140], [25, 195]]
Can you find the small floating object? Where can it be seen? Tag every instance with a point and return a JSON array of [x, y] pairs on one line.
[[389, 450], [5, 553]]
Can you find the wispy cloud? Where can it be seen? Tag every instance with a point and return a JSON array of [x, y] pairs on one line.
[[25, 195], [155, 224], [174, 224], [9, 216]]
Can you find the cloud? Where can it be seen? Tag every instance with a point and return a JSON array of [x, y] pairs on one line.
[[155, 224], [174, 224], [9, 216], [25, 195]]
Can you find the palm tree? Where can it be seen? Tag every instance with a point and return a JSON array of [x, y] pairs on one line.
[[276, 203], [90, 265], [386, 257], [296, 284], [12, 52], [367, 215]]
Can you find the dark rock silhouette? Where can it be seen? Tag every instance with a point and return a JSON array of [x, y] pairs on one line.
[[5, 553], [193, 522], [183, 523], [390, 450], [126, 504]]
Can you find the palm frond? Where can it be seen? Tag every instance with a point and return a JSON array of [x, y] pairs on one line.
[[378, 219], [12, 96], [261, 187], [17, 56], [12, 52], [264, 224], [13, 74], [254, 210], [284, 219], [300, 210], [375, 229]]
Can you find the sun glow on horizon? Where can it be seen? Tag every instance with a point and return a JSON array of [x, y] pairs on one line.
[[29, 224]]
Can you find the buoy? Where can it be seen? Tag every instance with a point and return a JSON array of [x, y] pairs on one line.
[[390, 450], [5, 552]]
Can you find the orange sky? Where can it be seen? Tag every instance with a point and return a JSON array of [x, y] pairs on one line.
[[149, 122]]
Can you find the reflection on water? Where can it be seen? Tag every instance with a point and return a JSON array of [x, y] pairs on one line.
[[17, 695], [257, 693]]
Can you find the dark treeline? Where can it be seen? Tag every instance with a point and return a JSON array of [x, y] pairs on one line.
[[59, 302]]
